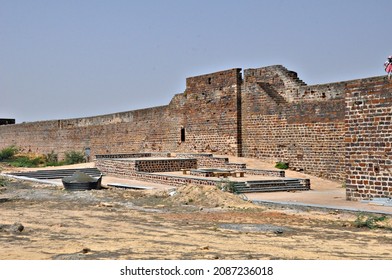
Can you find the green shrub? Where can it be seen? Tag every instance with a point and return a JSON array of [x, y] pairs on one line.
[[369, 221], [8, 153], [74, 157], [282, 165], [24, 161], [52, 159], [227, 186], [2, 182]]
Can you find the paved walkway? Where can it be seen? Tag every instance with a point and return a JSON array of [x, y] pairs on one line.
[[333, 199]]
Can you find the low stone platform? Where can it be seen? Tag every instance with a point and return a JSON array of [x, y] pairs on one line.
[[149, 165], [170, 171]]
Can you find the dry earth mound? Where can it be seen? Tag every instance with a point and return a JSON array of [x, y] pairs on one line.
[[209, 197]]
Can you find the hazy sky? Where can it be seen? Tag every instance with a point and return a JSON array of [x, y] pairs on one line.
[[74, 58]]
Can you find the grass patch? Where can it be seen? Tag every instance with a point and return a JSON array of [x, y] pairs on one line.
[[8, 153], [3, 182], [13, 157], [282, 165], [74, 157], [370, 221], [26, 161]]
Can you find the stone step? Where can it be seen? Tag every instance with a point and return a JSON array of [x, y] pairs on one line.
[[271, 190], [57, 173], [270, 186]]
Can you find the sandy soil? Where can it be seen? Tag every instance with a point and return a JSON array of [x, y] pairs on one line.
[[193, 223]]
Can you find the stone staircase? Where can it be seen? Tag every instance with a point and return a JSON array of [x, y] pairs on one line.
[[289, 77], [271, 186], [290, 81], [271, 92], [56, 173]]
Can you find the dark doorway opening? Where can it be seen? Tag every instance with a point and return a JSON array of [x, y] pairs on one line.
[[182, 134]]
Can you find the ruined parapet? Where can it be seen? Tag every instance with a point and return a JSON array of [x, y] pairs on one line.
[[275, 79], [282, 84], [217, 81], [283, 119]]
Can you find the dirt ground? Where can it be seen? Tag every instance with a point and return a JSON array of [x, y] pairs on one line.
[[46, 222]]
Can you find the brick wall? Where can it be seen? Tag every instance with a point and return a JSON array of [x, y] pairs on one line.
[[113, 166], [282, 123], [368, 138], [209, 161], [116, 167], [147, 130], [210, 113], [126, 169], [206, 113], [165, 165], [130, 168], [327, 130]]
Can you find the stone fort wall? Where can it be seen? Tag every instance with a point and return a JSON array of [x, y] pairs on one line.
[[285, 120], [368, 138], [339, 131]]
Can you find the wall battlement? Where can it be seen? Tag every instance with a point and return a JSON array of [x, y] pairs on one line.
[[213, 81], [339, 131]]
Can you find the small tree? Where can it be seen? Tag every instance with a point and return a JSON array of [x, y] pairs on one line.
[[8, 153]]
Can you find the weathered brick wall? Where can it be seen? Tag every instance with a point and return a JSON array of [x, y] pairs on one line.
[[164, 165], [271, 115], [368, 138], [39, 137], [111, 166], [207, 112], [116, 167], [124, 155], [278, 126], [150, 130], [264, 117], [209, 161], [126, 169], [210, 113]]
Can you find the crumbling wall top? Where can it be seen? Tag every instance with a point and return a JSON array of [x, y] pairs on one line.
[[214, 81]]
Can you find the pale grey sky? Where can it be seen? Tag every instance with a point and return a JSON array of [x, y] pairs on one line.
[[76, 58]]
